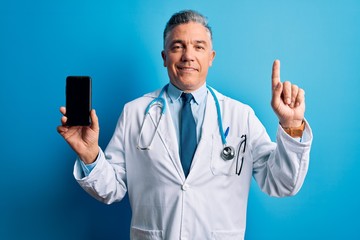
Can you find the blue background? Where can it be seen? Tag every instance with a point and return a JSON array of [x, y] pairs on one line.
[[118, 43]]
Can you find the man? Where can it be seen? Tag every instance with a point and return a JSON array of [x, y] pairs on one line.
[[204, 196]]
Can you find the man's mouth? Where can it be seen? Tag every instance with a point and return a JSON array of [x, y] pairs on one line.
[[186, 69]]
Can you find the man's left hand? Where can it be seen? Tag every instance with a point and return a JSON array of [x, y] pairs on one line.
[[288, 100]]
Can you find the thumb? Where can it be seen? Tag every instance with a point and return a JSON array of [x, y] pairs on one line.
[[94, 120]]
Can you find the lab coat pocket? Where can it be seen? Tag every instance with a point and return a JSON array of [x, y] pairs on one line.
[[142, 234], [227, 235], [219, 166]]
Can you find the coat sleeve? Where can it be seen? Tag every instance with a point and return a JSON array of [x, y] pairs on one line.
[[107, 180], [279, 168]]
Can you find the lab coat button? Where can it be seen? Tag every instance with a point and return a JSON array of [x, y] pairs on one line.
[[185, 187]]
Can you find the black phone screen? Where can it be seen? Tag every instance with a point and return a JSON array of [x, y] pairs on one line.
[[78, 100]]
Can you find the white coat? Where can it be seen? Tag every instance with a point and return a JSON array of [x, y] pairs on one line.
[[211, 202]]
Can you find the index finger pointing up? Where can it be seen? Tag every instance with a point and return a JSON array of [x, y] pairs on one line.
[[275, 74]]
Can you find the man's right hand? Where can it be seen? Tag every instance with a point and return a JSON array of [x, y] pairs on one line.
[[84, 140]]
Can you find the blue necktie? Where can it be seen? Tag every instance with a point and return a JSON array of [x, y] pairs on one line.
[[188, 139]]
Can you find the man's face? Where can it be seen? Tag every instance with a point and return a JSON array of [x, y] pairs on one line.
[[188, 55]]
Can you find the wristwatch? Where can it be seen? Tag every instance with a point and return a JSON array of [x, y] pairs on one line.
[[295, 131]]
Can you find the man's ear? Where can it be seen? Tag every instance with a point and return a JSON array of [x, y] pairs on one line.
[[163, 55], [212, 57]]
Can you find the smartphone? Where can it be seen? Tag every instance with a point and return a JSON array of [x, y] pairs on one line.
[[78, 100]]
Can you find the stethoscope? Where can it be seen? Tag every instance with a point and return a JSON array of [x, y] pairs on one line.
[[227, 153]]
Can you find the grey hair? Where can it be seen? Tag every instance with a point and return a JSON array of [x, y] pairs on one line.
[[185, 16]]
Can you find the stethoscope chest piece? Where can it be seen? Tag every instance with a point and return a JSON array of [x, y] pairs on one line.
[[228, 153]]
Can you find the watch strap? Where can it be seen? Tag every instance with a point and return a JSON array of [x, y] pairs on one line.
[[295, 131]]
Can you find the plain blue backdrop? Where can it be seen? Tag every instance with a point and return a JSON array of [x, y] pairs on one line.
[[118, 43]]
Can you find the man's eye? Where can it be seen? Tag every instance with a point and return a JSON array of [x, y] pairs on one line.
[[176, 47], [199, 47]]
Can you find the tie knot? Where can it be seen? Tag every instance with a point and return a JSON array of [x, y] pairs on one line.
[[186, 97]]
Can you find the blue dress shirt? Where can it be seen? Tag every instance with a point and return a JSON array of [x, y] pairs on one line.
[[198, 104]]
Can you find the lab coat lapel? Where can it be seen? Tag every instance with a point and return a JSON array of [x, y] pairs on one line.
[[210, 124], [209, 128], [168, 137]]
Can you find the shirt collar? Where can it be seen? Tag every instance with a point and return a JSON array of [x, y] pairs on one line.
[[199, 95]]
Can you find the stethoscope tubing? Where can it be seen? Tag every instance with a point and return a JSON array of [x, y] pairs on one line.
[[160, 101], [220, 123]]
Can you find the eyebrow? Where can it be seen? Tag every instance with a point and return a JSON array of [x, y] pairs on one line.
[[176, 41], [182, 42], [201, 42]]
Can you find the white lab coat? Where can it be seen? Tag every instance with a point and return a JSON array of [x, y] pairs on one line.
[[211, 202]]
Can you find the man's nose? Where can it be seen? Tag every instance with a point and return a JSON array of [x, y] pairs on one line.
[[188, 54]]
